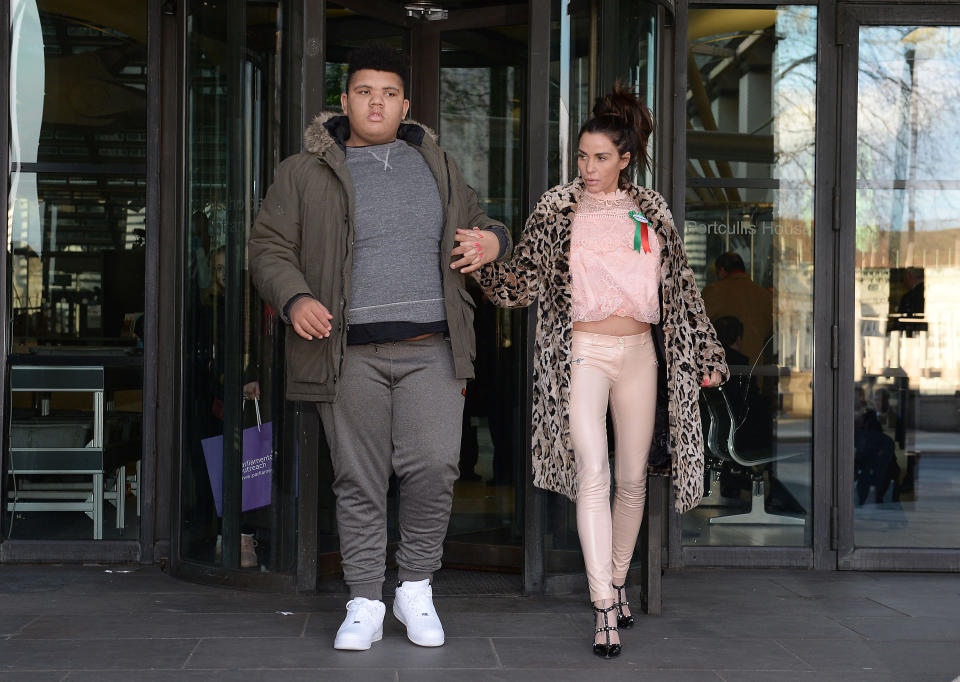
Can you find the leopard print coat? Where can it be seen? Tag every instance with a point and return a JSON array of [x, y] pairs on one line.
[[539, 271]]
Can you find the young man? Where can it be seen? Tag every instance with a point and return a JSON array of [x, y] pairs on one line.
[[353, 243]]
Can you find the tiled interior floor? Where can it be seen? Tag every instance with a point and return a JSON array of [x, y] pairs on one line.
[[88, 623]]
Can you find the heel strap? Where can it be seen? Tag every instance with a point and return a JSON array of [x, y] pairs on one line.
[[620, 600], [606, 627]]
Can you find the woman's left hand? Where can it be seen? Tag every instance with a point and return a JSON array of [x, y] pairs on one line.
[[712, 380], [476, 248]]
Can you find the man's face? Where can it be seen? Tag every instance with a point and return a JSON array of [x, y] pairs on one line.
[[375, 106]]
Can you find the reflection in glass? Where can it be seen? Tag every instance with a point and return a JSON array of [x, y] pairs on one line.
[[600, 42], [234, 472], [481, 95], [76, 252], [749, 239], [907, 358]]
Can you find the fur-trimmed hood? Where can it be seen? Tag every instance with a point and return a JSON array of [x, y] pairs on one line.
[[330, 130]]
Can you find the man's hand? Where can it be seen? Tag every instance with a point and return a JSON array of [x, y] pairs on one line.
[[476, 247], [309, 318]]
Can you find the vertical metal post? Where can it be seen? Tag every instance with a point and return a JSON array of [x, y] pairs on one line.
[[675, 110], [537, 126], [425, 64], [172, 126], [843, 261], [306, 436], [146, 491], [314, 61], [233, 296], [824, 312], [5, 311]]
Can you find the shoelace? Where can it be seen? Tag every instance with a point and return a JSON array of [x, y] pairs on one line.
[[420, 601], [365, 609]]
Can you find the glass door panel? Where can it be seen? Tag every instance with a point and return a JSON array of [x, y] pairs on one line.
[[749, 238], [482, 90], [906, 372], [482, 82], [594, 43], [237, 506], [76, 252]]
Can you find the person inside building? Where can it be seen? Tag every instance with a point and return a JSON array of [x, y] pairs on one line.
[[351, 244], [621, 324], [734, 293]]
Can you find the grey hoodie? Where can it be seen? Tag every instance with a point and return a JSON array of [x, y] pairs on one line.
[[302, 243]]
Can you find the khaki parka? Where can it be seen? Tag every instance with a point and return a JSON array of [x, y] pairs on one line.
[[302, 243]]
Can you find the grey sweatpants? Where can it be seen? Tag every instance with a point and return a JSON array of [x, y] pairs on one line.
[[399, 410]]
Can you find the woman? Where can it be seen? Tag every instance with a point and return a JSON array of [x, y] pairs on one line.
[[621, 321]]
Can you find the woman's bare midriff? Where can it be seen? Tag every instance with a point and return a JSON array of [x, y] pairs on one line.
[[613, 326]]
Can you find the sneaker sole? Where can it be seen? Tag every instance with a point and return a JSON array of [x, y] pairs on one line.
[[410, 637], [348, 646]]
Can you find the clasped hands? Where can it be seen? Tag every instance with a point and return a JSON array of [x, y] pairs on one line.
[[310, 319], [476, 248]]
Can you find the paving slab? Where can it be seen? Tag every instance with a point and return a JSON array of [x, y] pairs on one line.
[[68, 654], [391, 652], [236, 675], [97, 622], [163, 625]]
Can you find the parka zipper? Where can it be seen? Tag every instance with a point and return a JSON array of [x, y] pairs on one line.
[[446, 162], [344, 324]]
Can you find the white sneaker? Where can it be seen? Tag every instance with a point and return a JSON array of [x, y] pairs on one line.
[[363, 625], [413, 606]]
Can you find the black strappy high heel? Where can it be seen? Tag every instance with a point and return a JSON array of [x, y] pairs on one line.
[[622, 620], [607, 650]]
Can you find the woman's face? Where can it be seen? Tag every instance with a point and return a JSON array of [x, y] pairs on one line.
[[600, 163]]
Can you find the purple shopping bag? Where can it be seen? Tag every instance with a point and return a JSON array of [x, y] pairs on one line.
[[256, 466]]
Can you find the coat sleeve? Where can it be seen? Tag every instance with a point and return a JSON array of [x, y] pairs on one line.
[[275, 241], [712, 357], [475, 217], [516, 283]]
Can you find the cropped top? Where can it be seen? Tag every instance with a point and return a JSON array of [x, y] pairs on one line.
[[610, 277]]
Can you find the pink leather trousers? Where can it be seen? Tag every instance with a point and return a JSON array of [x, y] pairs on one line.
[[621, 370]]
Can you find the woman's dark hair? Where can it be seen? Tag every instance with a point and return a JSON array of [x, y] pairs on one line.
[[621, 116], [377, 58]]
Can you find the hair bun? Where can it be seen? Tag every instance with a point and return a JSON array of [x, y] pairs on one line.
[[621, 102]]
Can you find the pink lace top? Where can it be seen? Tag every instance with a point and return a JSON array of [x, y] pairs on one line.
[[608, 276]]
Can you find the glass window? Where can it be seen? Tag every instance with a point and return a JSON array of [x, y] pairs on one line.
[[76, 248], [749, 238], [348, 29], [598, 43], [907, 357], [482, 90]]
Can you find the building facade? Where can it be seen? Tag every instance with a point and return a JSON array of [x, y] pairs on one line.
[[804, 149]]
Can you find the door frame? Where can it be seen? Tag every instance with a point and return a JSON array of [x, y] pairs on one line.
[[850, 19]]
